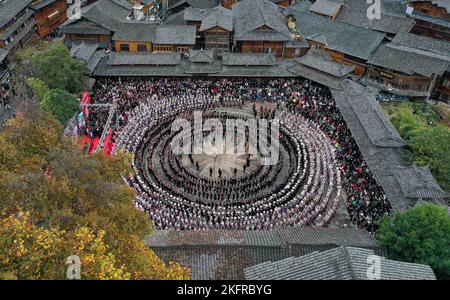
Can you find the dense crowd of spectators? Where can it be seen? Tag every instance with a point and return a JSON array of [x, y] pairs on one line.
[[300, 102]]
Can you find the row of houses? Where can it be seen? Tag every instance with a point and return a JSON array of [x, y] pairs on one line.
[[21, 23], [393, 53]]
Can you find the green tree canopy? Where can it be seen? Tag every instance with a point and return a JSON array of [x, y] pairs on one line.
[[64, 191], [52, 64], [40, 88], [419, 235], [60, 104], [428, 144], [431, 145]]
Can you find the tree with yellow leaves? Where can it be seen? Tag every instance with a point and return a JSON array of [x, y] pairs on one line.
[[70, 198]]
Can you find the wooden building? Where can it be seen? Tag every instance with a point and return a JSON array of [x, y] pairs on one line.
[[17, 26], [96, 25], [174, 38], [229, 3], [134, 37], [259, 27], [4, 73], [432, 18], [49, 14], [442, 89], [217, 28], [410, 65], [393, 18], [347, 44], [326, 8]]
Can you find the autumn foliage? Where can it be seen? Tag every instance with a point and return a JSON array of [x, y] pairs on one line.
[[57, 202]]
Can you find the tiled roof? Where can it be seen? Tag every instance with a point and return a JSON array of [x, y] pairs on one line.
[[107, 14], [324, 63], [83, 26], [3, 54], [440, 3], [83, 51], [299, 6], [393, 18], [201, 56], [93, 62], [316, 76], [249, 59], [377, 140], [133, 67], [220, 17], [417, 182], [10, 8], [203, 3], [313, 236], [343, 263], [408, 61], [431, 19], [195, 14], [16, 25], [41, 4], [134, 31], [423, 43], [326, 7], [175, 35], [155, 59], [221, 254], [251, 15], [339, 36]]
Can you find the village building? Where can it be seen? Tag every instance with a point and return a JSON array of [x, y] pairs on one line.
[[410, 65], [217, 29], [49, 14], [134, 37], [326, 8], [123, 27], [321, 68], [259, 27], [214, 27], [225, 254], [393, 17], [97, 24], [17, 26], [432, 18], [342, 41], [340, 263], [230, 3], [4, 72], [174, 38]]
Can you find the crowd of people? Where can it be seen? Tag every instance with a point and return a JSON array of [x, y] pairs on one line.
[[307, 111]]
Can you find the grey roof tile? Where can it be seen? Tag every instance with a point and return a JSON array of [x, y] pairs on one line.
[[339, 36], [408, 61], [326, 7], [221, 254], [343, 263], [249, 59], [377, 140], [218, 17], [440, 3], [10, 8], [324, 63], [418, 182], [251, 15], [175, 35], [144, 59], [134, 31], [393, 18], [201, 56]]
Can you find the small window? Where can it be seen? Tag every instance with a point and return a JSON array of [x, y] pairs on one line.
[[124, 47], [142, 48]]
